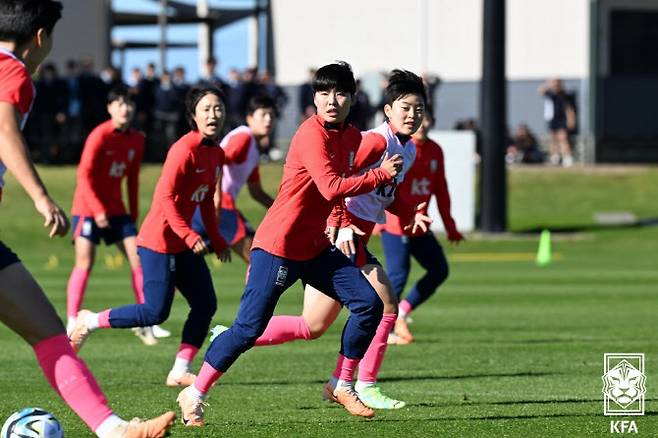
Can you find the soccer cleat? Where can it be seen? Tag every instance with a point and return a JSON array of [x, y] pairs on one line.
[[145, 334], [402, 330], [349, 399], [394, 339], [185, 379], [154, 428], [191, 408], [159, 332], [80, 332], [216, 331], [372, 397]]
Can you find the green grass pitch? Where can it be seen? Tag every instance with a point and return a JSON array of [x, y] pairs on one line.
[[506, 348]]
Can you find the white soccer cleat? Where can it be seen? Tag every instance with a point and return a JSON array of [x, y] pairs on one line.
[[159, 332], [145, 334], [191, 408]]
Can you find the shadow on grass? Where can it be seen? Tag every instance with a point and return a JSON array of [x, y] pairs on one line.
[[466, 376], [577, 228]]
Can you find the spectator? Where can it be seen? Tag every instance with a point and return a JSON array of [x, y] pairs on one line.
[[73, 136], [234, 99], [432, 83], [92, 94], [46, 123], [209, 77], [361, 113], [268, 86], [166, 115], [524, 147], [306, 106], [560, 115], [181, 86]]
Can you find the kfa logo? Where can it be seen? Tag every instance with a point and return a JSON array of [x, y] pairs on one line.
[[387, 190], [281, 276], [117, 169], [623, 384], [420, 187], [200, 193]]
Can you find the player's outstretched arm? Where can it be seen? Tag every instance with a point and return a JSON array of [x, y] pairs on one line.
[[14, 155]]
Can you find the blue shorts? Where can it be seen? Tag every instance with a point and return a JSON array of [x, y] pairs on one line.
[[120, 228], [232, 226], [7, 256]]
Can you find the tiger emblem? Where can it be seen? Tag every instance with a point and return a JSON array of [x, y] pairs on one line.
[[624, 384]]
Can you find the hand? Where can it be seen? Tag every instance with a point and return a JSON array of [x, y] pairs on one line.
[[200, 247], [455, 237], [101, 221], [345, 239], [55, 217], [331, 233], [420, 221], [225, 256], [392, 165]]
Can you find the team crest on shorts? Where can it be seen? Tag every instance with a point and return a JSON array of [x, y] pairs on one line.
[[623, 384], [281, 276]]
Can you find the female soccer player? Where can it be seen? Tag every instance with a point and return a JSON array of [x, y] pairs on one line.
[[425, 179], [25, 41], [113, 152], [240, 168], [170, 251], [405, 102], [290, 244]]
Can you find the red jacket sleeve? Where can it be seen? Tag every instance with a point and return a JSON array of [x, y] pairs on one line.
[[335, 218], [237, 149], [88, 172], [133, 181], [172, 178], [371, 149], [327, 178], [442, 195], [209, 216], [17, 87]]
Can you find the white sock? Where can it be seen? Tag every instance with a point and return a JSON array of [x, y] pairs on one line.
[[194, 392], [181, 366], [91, 321], [70, 324], [108, 425], [343, 384], [361, 385], [401, 314]]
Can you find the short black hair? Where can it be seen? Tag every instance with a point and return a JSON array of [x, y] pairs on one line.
[[192, 98], [21, 19], [261, 100], [337, 76], [119, 92], [402, 83]]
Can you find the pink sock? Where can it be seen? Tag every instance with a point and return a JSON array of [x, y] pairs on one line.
[[138, 284], [372, 361], [75, 291], [104, 319], [187, 352], [206, 378], [282, 329], [345, 368], [72, 380], [405, 307]]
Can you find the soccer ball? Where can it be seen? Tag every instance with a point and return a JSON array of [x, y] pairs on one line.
[[32, 423]]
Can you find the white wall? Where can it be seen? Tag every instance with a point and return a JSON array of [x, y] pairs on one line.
[[545, 37]]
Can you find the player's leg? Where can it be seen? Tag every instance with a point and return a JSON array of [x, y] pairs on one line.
[[319, 312], [429, 254], [269, 277], [565, 147], [366, 385], [26, 310], [85, 239], [128, 246], [397, 250], [194, 282], [337, 277], [159, 276]]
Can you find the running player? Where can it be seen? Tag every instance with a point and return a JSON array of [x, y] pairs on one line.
[[405, 101], [240, 168], [113, 152], [170, 251], [290, 244], [425, 179], [25, 40]]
